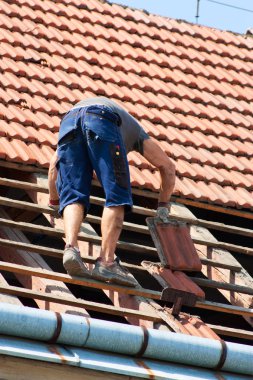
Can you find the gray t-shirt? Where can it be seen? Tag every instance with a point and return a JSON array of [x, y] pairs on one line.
[[132, 132]]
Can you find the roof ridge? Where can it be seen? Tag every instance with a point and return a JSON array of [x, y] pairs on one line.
[[175, 19], [151, 19]]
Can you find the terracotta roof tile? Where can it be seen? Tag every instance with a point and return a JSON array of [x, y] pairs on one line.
[[194, 326], [136, 159], [13, 130], [243, 196], [38, 155], [136, 177], [208, 173], [182, 281], [183, 168], [16, 150]]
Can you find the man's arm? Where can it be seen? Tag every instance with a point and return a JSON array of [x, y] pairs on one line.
[[157, 157], [52, 176]]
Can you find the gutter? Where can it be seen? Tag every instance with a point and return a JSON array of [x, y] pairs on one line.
[[20, 355], [89, 333]]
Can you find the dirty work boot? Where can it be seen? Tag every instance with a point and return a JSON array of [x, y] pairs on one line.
[[113, 273], [73, 264]]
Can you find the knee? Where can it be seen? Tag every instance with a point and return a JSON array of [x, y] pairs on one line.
[[119, 218], [118, 215]]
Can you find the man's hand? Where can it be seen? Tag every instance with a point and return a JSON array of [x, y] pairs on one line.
[[54, 204], [163, 211]]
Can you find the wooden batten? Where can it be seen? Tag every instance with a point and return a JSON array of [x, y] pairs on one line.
[[144, 193], [5, 297], [58, 254], [78, 303], [214, 306], [229, 331], [91, 259], [212, 207], [99, 201], [127, 226]]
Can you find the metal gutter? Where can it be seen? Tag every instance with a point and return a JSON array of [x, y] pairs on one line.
[[123, 339], [105, 362]]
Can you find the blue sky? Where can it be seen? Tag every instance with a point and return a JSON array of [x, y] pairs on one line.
[[211, 12]]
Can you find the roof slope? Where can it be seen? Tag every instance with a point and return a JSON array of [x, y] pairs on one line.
[[190, 86]]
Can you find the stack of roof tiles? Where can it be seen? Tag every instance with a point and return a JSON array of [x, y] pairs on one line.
[[191, 87]]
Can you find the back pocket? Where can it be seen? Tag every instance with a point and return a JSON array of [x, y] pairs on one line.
[[104, 128]]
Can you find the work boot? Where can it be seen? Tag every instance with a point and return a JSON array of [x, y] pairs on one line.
[[73, 263], [113, 273]]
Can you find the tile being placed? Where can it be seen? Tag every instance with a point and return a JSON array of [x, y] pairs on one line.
[[174, 245]]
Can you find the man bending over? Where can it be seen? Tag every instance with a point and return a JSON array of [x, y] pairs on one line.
[[96, 134]]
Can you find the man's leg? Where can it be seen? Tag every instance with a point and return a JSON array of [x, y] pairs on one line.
[[108, 156], [73, 185], [107, 268], [111, 226], [72, 262], [73, 217]]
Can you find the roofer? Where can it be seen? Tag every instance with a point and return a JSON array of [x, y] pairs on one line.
[[96, 134]]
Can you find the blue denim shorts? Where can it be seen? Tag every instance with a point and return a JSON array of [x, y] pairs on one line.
[[90, 139]]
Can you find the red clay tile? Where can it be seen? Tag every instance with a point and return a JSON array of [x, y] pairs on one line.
[[222, 194], [247, 163], [153, 182], [135, 158], [174, 244], [35, 135], [180, 188], [233, 163], [184, 168], [243, 197], [209, 196], [7, 151], [136, 177], [178, 151], [209, 173], [48, 152], [243, 180], [195, 326], [191, 185], [204, 156], [227, 176], [37, 153], [14, 130], [35, 87], [173, 279], [9, 96], [182, 281], [23, 152], [177, 136]]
